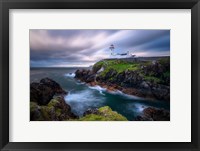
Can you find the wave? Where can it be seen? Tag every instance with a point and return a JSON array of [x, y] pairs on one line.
[[140, 107], [129, 96], [71, 75], [98, 88], [80, 83], [83, 100], [117, 92]]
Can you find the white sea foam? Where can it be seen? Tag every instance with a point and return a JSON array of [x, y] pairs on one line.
[[83, 96], [98, 88], [117, 92], [131, 96], [71, 75], [80, 83], [140, 107], [136, 107], [82, 100], [78, 96]]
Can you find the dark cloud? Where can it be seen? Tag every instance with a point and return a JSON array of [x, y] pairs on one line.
[[84, 47], [73, 33]]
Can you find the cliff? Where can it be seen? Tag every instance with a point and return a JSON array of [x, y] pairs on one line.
[[143, 78]]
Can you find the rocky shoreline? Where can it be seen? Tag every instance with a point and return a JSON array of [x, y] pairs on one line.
[[47, 103], [131, 82]]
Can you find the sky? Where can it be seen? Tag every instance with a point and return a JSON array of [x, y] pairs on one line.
[[76, 48]]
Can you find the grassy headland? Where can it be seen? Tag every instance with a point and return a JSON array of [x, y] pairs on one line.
[[152, 71], [141, 77]]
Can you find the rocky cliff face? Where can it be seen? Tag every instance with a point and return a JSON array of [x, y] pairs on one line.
[[47, 102], [145, 79]]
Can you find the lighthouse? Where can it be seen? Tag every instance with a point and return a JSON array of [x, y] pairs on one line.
[[120, 55], [112, 49]]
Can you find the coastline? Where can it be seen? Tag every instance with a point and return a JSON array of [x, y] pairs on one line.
[[54, 107], [112, 88], [145, 79], [117, 89]]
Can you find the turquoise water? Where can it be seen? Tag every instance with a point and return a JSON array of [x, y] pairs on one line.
[[82, 97]]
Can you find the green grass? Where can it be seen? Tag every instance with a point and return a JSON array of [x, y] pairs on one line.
[[152, 79], [164, 61], [93, 117], [120, 66], [166, 74], [117, 65], [105, 114], [33, 106], [124, 66], [53, 103]]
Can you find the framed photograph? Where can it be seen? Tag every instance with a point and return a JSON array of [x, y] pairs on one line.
[[99, 75]]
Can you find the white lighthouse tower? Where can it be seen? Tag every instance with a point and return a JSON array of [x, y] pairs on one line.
[[112, 49]]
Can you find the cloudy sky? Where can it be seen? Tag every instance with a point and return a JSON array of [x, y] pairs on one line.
[[67, 48]]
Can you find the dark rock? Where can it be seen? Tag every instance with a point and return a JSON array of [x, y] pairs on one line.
[[62, 109], [142, 118], [91, 77], [34, 111], [145, 85], [111, 73], [53, 85], [35, 93], [56, 110], [96, 68], [161, 92], [85, 75], [153, 114], [91, 111], [44, 91], [132, 79], [158, 69]]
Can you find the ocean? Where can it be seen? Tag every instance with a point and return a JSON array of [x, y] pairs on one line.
[[82, 97]]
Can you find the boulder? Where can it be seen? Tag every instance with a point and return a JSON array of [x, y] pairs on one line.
[[145, 85], [44, 91], [153, 114], [85, 75], [56, 110], [91, 111], [53, 85]]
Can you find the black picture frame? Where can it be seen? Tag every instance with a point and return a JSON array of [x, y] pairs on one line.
[[5, 5]]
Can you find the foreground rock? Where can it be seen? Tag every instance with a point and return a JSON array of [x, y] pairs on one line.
[[102, 114], [47, 102], [153, 114], [55, 110], [44, 91]]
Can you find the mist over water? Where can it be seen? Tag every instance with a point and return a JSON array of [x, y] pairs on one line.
[[82, 97]]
